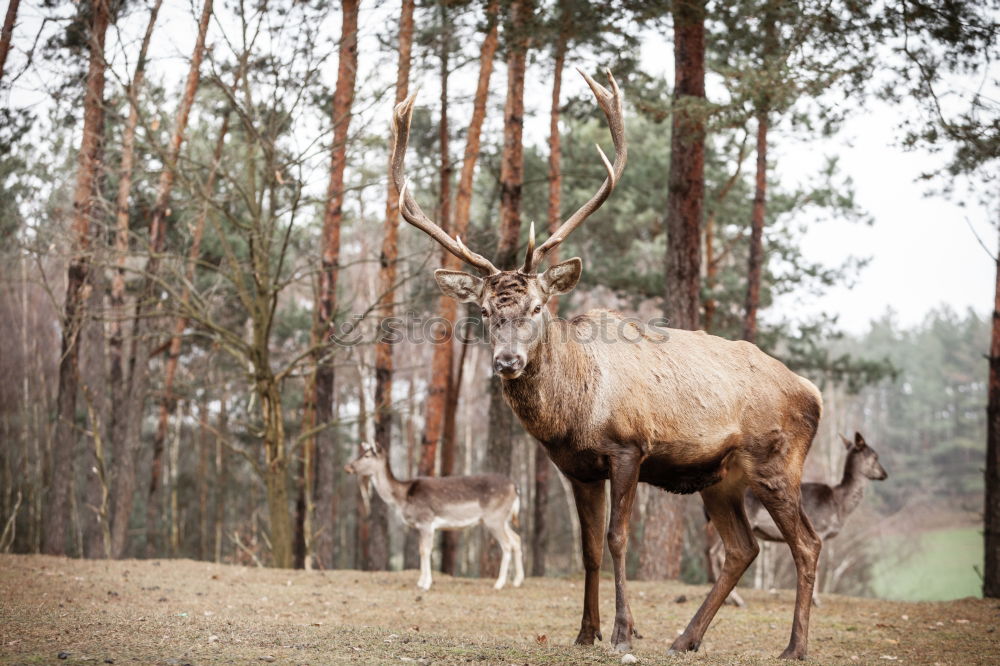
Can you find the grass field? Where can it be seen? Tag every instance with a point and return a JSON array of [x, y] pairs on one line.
[[177, 612], [943, 567]]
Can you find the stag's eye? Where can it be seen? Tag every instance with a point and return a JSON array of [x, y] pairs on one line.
[[538, 308], [484, 312]]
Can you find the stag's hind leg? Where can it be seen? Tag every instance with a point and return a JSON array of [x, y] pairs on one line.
[[783, 501], [724, 503]]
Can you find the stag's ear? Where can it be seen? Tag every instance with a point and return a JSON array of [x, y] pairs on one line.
[[562, 277], [463, 287], [847, 443], [859, 441]]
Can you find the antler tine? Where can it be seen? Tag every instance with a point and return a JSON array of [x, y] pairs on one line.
[[529, 254], [610, 102], [408, 206]]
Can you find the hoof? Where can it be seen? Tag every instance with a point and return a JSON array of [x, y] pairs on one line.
[[621, 637], [586, 637], [682, 645], [789, 653]]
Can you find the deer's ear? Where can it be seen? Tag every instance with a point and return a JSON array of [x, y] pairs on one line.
[[562, 277], [847, 443], [463, 287], [859, 441]]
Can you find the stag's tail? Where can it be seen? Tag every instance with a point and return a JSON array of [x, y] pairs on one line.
[[515, 508]]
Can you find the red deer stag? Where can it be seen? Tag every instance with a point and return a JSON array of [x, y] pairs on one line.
[[448, 503], [828, 507], [681, 410]]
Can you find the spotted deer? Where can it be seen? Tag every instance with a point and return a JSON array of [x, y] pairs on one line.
[[448, 503], [680, 410], [828, 507]]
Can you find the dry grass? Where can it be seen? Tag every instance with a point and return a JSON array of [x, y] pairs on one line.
[[183, 612]]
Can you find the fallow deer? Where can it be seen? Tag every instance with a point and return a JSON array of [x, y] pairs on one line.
[[681, 410], [448, 503], [828, 507]]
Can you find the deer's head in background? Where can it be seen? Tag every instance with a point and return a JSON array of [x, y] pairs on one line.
[[862, 459], [512, 302], [369, 463]]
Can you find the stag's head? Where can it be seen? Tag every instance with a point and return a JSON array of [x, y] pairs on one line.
[[863, 459], [512, 302]]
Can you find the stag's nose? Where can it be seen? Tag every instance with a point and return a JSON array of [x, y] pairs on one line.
[[507, 364]]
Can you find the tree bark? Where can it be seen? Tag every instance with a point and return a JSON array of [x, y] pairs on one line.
[[450, 539], [991, 508], [446, 402], [543, 467], [325, 442], [77, 287], [756, 261], [441, 363], [379, 536], [116, 337], [168, 402], [143, 327], [8, 31], [663, 533], [501, 419]]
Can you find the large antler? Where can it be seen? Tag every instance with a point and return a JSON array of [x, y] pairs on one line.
[[409, 207], [611, 103]]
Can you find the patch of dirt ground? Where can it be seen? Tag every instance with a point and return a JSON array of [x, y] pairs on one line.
[[179, 612]]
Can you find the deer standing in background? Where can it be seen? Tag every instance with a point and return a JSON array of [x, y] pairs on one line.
[[608, 399], [828, 507], [448, 503]]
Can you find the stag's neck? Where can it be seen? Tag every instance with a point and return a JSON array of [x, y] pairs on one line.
[[851, 489], [389, 488], [541, 397]]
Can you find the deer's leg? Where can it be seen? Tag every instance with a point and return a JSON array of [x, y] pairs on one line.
[[624, 479], [724, 503], [590, 508], [518, 555], [502, 537], [716, 560], [782, 499], [426, 549]]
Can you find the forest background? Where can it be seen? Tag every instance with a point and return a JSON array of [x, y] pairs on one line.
[[194, 205]]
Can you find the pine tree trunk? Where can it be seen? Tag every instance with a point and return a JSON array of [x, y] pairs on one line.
[[663, 533], [116, 343], [446, 402], [204, 441], [326, 442], [77, 285], [219, 518], [143, 328], [8, 31], [379, 537], [991, 510], [543, 467], [450, 539], [441, 363], [501, 418], [756, 260], [168, 402]]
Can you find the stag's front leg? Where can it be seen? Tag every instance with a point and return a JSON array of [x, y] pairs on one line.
[[590, 508], [624, 479]]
